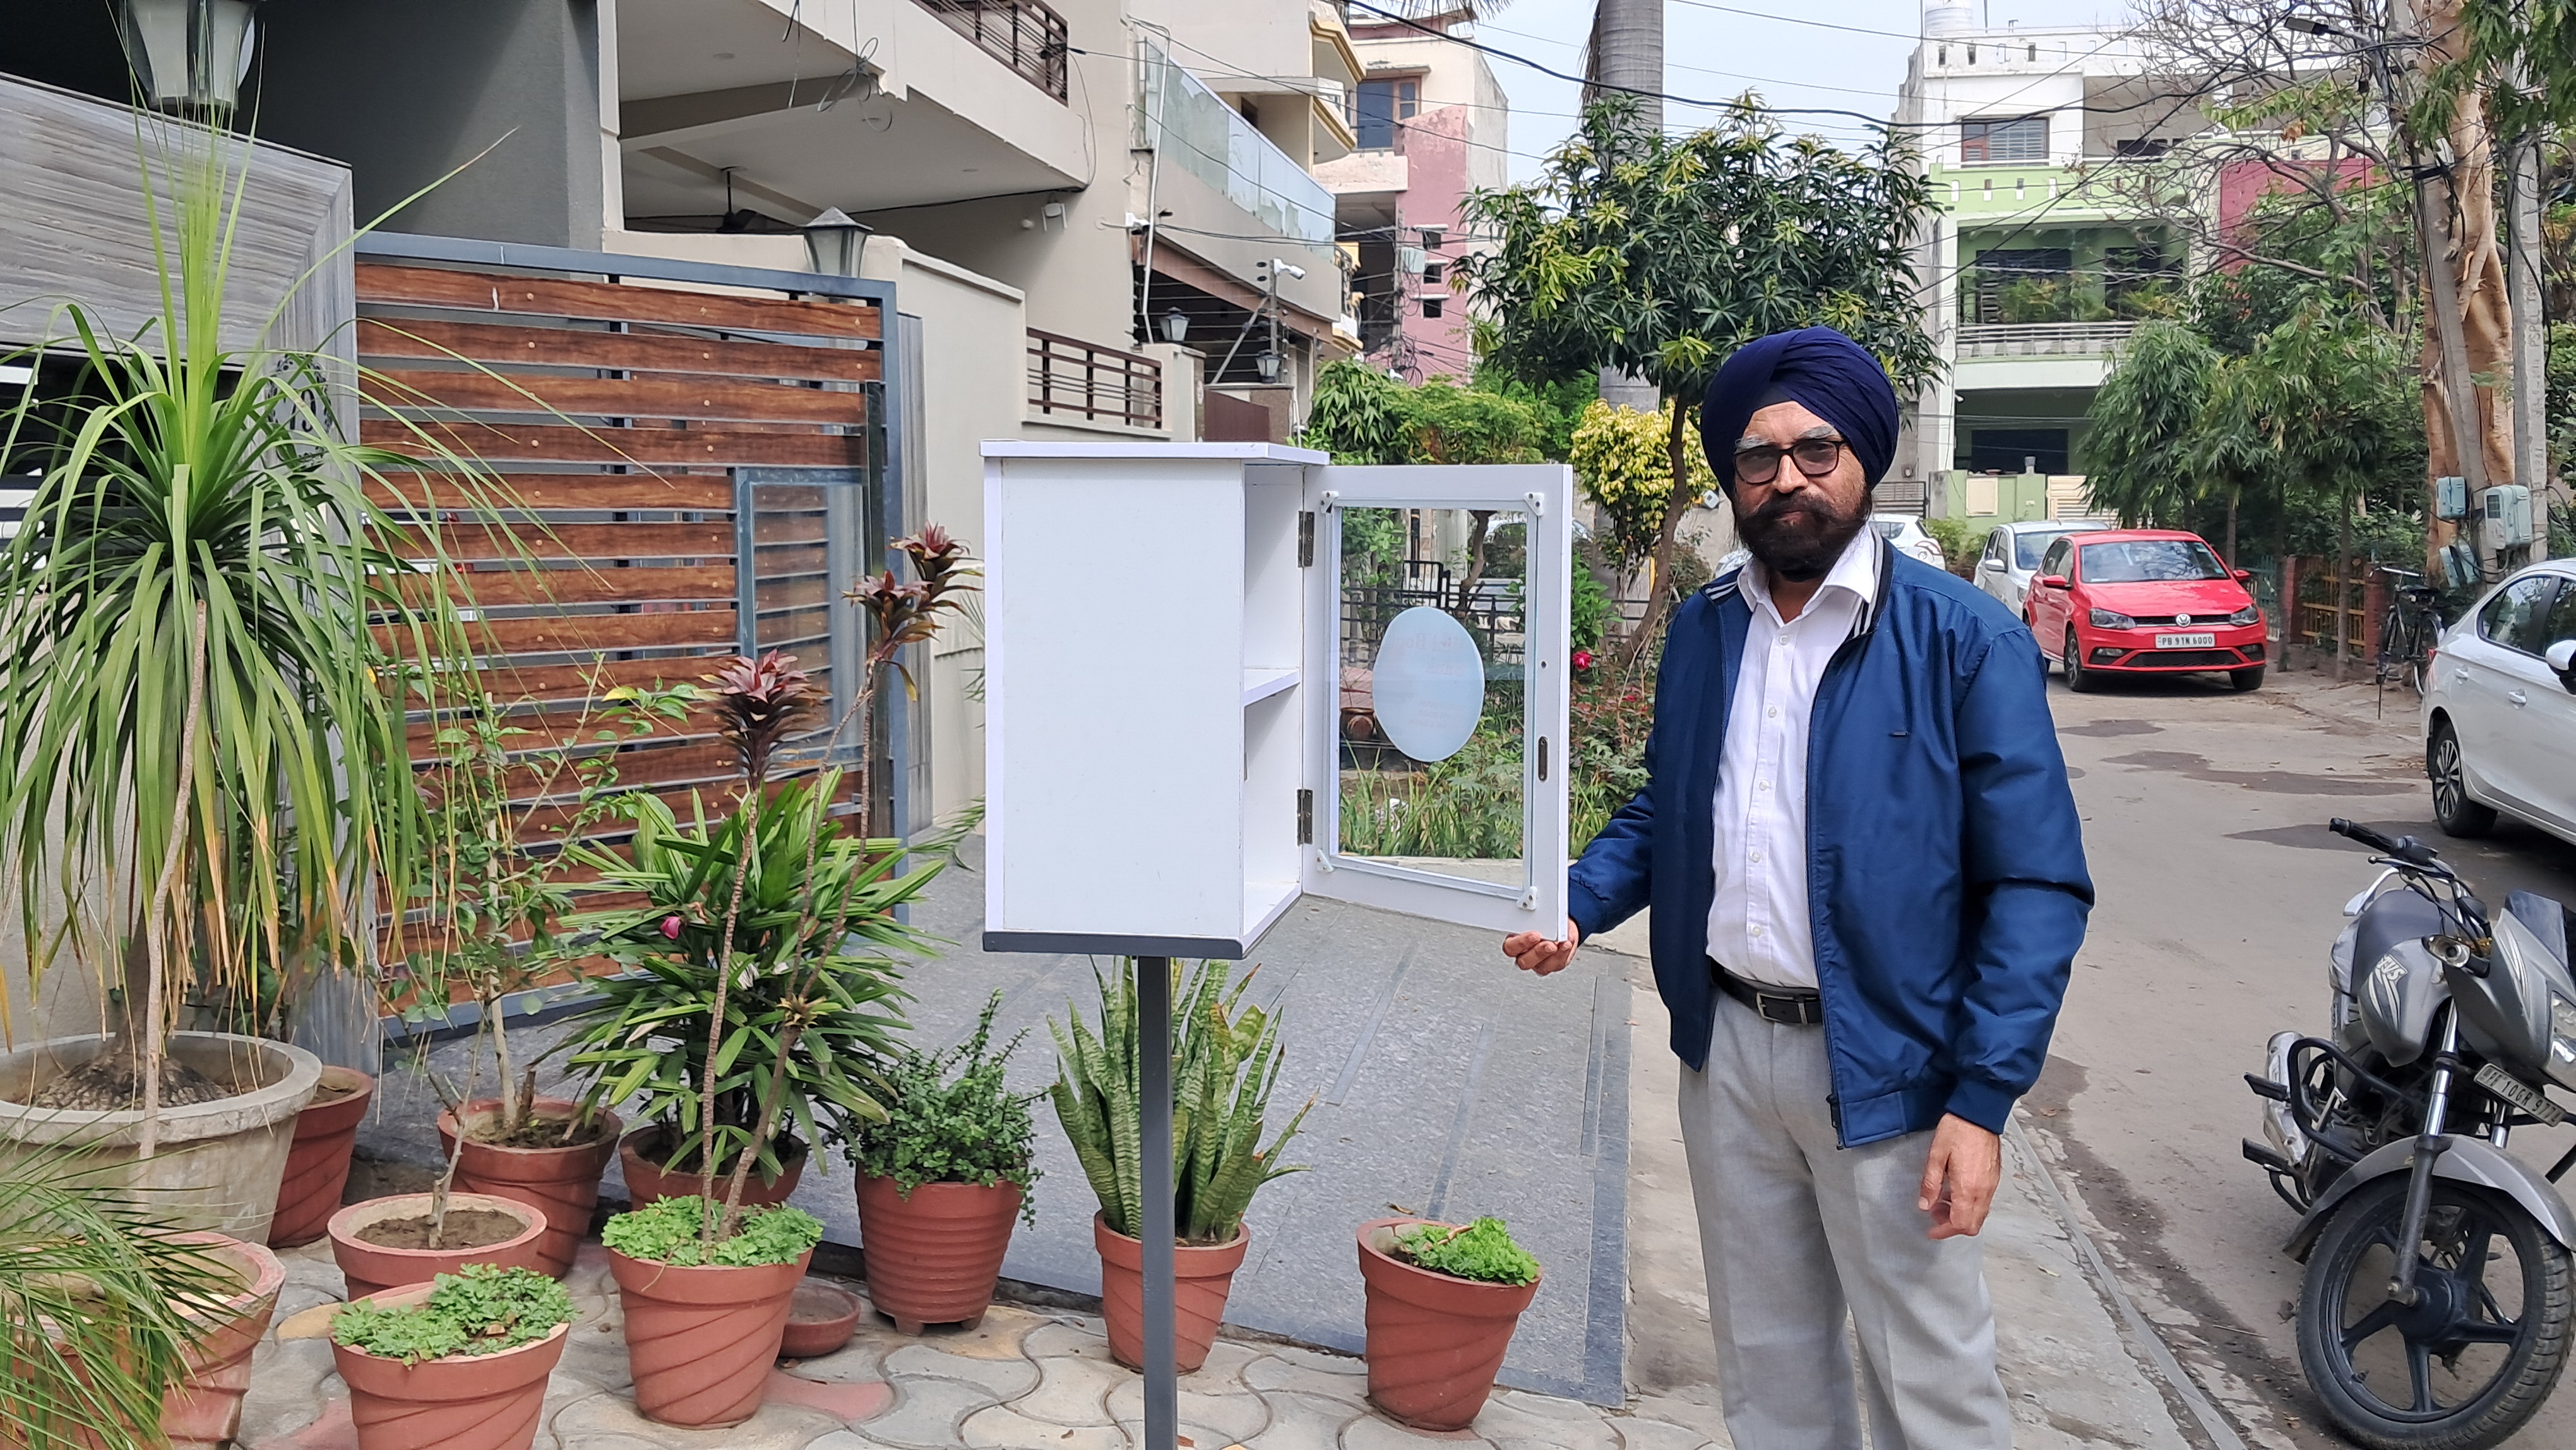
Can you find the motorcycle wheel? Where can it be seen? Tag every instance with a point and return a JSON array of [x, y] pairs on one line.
[[2478, 1353]]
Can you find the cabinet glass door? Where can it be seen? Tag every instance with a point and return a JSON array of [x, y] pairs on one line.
[[1436, 626]]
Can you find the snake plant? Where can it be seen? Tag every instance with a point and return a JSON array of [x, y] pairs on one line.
[[1225, 1061]]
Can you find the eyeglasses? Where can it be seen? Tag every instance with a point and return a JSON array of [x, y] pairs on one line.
[[1815, 457]]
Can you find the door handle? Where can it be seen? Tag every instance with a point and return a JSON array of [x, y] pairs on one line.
[[2459, 677], [2518, 698]]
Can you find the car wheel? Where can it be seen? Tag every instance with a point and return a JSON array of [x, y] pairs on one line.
[[2245, 680], [2078, 678], [2453, 811]]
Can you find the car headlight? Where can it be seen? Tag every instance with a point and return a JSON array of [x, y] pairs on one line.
[[2111, 619], [2562, 1041], [2245, 616]]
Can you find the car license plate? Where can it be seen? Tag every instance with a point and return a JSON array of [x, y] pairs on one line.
[[2186, 641]]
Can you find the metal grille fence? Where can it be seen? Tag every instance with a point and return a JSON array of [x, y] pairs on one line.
[[1022, 34], [1068, 375]]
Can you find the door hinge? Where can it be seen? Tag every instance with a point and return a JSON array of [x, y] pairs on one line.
[[1305, 539], [1305, 818]]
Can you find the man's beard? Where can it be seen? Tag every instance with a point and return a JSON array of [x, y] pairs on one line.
[[1798, 536]]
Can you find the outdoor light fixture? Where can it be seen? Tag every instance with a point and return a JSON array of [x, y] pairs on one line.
[[1175, 326], [1268, 366], [189, 56], [2307, 25], [834, 243]]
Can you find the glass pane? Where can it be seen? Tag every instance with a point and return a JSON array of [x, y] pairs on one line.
[[1432, 710]]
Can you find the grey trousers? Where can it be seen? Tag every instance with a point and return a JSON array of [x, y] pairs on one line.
[[1807, 1242]]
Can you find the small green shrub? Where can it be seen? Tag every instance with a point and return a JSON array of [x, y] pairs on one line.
[[667, 1232], [1483, 1251], [1960, 542], [969, 1129], [483, 1309]]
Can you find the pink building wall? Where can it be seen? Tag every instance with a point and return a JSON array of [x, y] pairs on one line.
[[1435, 147]]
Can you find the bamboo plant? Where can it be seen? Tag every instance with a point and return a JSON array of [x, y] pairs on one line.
[[1225, 1064]]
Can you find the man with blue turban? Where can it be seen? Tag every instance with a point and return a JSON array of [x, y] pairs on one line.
[[1869, 885]]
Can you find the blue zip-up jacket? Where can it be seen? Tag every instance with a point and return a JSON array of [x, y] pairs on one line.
[[1945, 861]]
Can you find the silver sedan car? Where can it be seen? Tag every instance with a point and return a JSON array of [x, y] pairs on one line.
[[2499, 713], [2011, 555]]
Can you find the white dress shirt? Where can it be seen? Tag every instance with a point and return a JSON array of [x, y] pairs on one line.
[[1758, 926]]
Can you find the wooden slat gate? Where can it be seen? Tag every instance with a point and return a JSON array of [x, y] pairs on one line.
[[699, 457]]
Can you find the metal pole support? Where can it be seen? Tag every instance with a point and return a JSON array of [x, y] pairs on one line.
[[1154, 1087]]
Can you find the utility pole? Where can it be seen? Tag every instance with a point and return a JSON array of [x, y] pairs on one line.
[[1627, 55], [2530, 339]]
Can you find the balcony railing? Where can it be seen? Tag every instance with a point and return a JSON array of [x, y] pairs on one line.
[[1103, 384], [1022, 34], [1197, 131], [2042, 339]]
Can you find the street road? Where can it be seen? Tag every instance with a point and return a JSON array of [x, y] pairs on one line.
[[2220, 892]]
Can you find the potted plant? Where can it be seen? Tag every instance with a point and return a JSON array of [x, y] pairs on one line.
[[459, 1364], [1223, 1067], [941, 1178], [412, 1238], [317, 1160], [704, 1320], [1443, 1302]]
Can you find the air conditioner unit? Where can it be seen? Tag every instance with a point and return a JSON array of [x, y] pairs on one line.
[[2505, 514]]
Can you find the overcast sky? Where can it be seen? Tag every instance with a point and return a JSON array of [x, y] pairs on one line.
[[1716, 54]]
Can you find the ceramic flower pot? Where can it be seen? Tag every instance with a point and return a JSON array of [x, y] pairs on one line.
[[317, 1164], [465, 1402], [204, 1410], [700, 1341], [560, 1182], [641, 1153], [820, 1319], [934, 1254], [1435, 1341], [1201, 1277], [371, 1268]]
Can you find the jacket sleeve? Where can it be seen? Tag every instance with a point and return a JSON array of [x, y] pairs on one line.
[[2027, 889]]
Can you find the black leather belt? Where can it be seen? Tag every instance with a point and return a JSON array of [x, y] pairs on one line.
[[1787, 1006]]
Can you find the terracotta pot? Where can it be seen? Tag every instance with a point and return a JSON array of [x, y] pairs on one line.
[[372, 1268], [1201, 1276], [640, 1155], [1435, 1341], [933, 1256], [820, 1319], [563, 1183], [205, 1409], [700, 1341], [466, 1402], [317, 1165]]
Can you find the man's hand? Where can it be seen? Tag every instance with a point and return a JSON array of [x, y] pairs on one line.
[[1959, 1180], [1535, 953]]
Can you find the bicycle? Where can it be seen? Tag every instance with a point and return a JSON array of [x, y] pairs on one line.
[[2408, 630]]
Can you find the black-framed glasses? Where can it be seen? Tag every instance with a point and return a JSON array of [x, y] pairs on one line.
[[1815, 458]]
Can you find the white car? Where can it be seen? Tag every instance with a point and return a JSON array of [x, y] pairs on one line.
[[2499, 710], [2011, 556], [1906, 532]]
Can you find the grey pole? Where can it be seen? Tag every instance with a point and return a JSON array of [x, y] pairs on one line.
[[1154, 1086]]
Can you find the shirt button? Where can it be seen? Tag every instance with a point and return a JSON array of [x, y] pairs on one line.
[[1773, 712], [1756, 856], [1762, 785], [1780, 641], [1757, 931]]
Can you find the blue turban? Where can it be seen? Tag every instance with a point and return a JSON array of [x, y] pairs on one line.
[[1832, 375]]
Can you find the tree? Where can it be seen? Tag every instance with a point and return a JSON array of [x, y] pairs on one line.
[[1620, 459], [2142, 448], [1658, 255]]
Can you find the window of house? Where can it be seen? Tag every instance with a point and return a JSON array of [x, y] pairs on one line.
[[2021, 284], [1999, 143], [1382, 105], [1433, 306], [1432, 273]]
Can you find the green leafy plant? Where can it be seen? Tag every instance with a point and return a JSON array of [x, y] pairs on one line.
[[669, 1231], [1465, 807], [1960, 542], [1623, 460], [1225, 1063], [1483, 1251], [480, 1309], [970, 1128], [101, 1303]]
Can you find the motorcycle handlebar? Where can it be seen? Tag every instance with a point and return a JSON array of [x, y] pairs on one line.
[[2364, 834]]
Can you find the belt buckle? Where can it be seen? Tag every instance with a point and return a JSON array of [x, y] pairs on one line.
[[1786, 1011]]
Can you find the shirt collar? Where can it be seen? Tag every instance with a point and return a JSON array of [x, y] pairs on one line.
[[1855, 572]]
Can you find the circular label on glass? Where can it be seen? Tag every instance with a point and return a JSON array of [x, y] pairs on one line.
[[1429, 684]]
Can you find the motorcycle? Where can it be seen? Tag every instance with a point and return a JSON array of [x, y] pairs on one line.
[[2446, 1029]]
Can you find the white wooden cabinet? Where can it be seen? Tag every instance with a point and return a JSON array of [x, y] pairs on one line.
[[1182, 690]]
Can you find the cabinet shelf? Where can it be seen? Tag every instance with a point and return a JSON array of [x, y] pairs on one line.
[[1260, 685]]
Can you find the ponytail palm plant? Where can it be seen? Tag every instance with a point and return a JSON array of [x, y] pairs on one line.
[[204, 620]]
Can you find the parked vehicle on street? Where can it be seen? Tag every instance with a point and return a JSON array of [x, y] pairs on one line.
[[2499, 711], [2012, 553], [1907, 533], [2408, 629], [2445, 1030], [2143, 601]]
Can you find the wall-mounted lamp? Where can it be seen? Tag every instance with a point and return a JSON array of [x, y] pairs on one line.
[[835, 244], [1268, 366], [1175, 326], [190, 56]]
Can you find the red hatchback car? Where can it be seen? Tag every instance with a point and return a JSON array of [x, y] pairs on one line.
[[2144, 601]]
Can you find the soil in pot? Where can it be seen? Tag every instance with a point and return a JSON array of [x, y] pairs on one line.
[[317, 1166], [933, 1255], [476, 1402], [384, 1243], [559, 1178], [641, 1154], [204, 1410], [1202, 1276], [701, 1340], [1435, 1341]]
